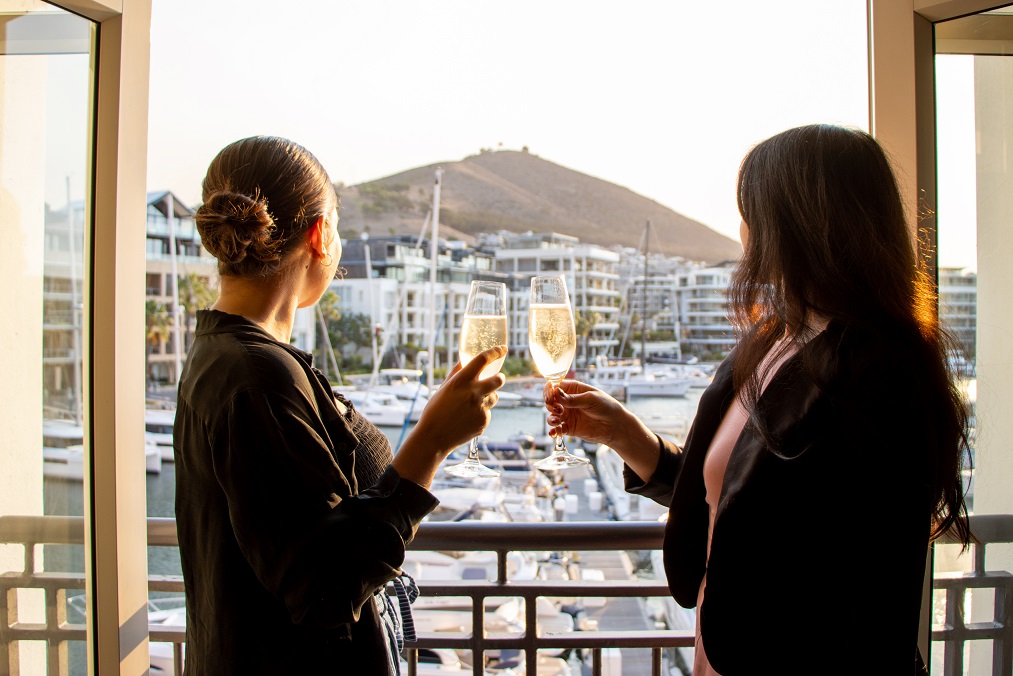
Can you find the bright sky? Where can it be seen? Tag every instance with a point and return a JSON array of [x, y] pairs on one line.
[[663, 98]]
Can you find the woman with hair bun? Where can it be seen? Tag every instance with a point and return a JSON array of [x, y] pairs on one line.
[[827, 451], [291, 510]]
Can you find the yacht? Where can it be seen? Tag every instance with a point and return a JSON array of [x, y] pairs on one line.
[[624, 378], [407, 386], [158, 431], [63, 451], [380, 408]]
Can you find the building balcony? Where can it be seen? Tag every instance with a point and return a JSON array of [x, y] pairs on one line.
[[182, 259], [586, 538]]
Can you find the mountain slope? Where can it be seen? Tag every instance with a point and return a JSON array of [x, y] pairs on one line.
[[518, 191]]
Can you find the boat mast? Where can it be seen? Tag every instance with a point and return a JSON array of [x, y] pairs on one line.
[[177, 314], [643, 301], [75, 315], [372, 308], [432, 276]]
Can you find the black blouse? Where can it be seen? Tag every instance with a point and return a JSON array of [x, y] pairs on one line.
[[288, 512], [825, 535]]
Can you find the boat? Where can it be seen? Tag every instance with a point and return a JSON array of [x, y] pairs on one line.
[[508, 399], [158, 431], [698, 376], [63, 451], [674, 616], [624, 378], [624, 506], [380, 408], [405, 384], [530, 389]]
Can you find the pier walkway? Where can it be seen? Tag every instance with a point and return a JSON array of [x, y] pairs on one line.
[[625, 614]]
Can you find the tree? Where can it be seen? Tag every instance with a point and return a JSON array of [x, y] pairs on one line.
[[195, 293], [342, 329], [584, 324], [158, 324]]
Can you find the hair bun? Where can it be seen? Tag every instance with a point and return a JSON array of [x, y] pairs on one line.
[[233, 226]]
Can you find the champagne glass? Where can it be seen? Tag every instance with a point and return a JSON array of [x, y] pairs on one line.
[[552, 340], [485, 326]]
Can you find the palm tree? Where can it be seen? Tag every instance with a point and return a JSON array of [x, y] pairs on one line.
[[584, 324], [158, 323], [195, 293]]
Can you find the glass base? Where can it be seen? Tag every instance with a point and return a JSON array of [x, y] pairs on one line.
[[470, 469], [561, 460]]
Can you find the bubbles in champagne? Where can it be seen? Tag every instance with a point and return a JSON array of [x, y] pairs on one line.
[[478, 334], [551, 339]]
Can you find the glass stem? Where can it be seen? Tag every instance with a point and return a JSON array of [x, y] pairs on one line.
[[473, 450]]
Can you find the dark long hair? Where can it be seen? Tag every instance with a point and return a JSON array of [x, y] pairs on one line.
[[828, 240], [259, 194]]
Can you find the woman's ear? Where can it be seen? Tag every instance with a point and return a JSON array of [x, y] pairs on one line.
[[315, 238]]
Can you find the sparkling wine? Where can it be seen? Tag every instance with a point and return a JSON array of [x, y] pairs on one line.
[[479, 333], [551, 339]]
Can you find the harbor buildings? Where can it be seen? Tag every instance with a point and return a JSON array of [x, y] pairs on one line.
[[706, 329], [958, 308], [392, 286]]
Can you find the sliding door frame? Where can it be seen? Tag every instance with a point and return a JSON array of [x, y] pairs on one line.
[[116, 569]]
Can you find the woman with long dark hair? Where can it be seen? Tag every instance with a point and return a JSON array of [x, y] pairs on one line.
[[827, 451], [292, 512]]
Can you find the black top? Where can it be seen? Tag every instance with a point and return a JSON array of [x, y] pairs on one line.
[[820, 544], [288, 512]]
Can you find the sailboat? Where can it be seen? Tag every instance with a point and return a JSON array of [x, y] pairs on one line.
[[625, 378]]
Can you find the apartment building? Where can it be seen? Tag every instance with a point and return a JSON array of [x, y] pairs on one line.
[[958, 307], [592, 276], [654, 301], [706, 329], [170, 223]]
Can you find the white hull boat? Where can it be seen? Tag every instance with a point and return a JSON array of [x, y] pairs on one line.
[[158, 431], [63, 452], [379, 408], [625, 378], [656, 385], [625, 506]]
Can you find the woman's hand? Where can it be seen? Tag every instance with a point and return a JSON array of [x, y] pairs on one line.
[[457, 413], [582, 411], [588, 413]]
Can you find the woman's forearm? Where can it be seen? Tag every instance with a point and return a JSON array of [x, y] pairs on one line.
[[637, 446]]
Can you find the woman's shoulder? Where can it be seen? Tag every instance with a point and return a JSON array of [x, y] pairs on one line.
[[856, 348], [227, 364]]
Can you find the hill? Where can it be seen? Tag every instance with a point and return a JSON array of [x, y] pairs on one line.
[[519, 191]]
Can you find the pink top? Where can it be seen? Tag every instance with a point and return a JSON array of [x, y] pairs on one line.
[[718, 453]]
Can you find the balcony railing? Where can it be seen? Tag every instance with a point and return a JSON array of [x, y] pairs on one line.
[[56, 631]]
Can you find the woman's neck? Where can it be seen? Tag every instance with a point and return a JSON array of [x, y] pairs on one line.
[[269, 303]]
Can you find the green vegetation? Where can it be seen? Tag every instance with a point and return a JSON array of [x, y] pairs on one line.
[[380, 198], [473, 222], [158, 325], [342, 330], [518, 366]]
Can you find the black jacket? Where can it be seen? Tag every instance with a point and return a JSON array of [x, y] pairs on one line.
[[819, 545], [288, 513]]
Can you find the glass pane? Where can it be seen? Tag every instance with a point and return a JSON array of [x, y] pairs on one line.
[[974, 114], [46, 102]]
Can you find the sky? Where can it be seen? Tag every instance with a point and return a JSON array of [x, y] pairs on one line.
[[663, 98]]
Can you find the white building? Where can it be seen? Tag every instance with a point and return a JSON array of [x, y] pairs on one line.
[[703, 306], [592, 276], [958, 307]]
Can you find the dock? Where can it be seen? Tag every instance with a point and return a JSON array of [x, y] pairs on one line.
[[617, 613]]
